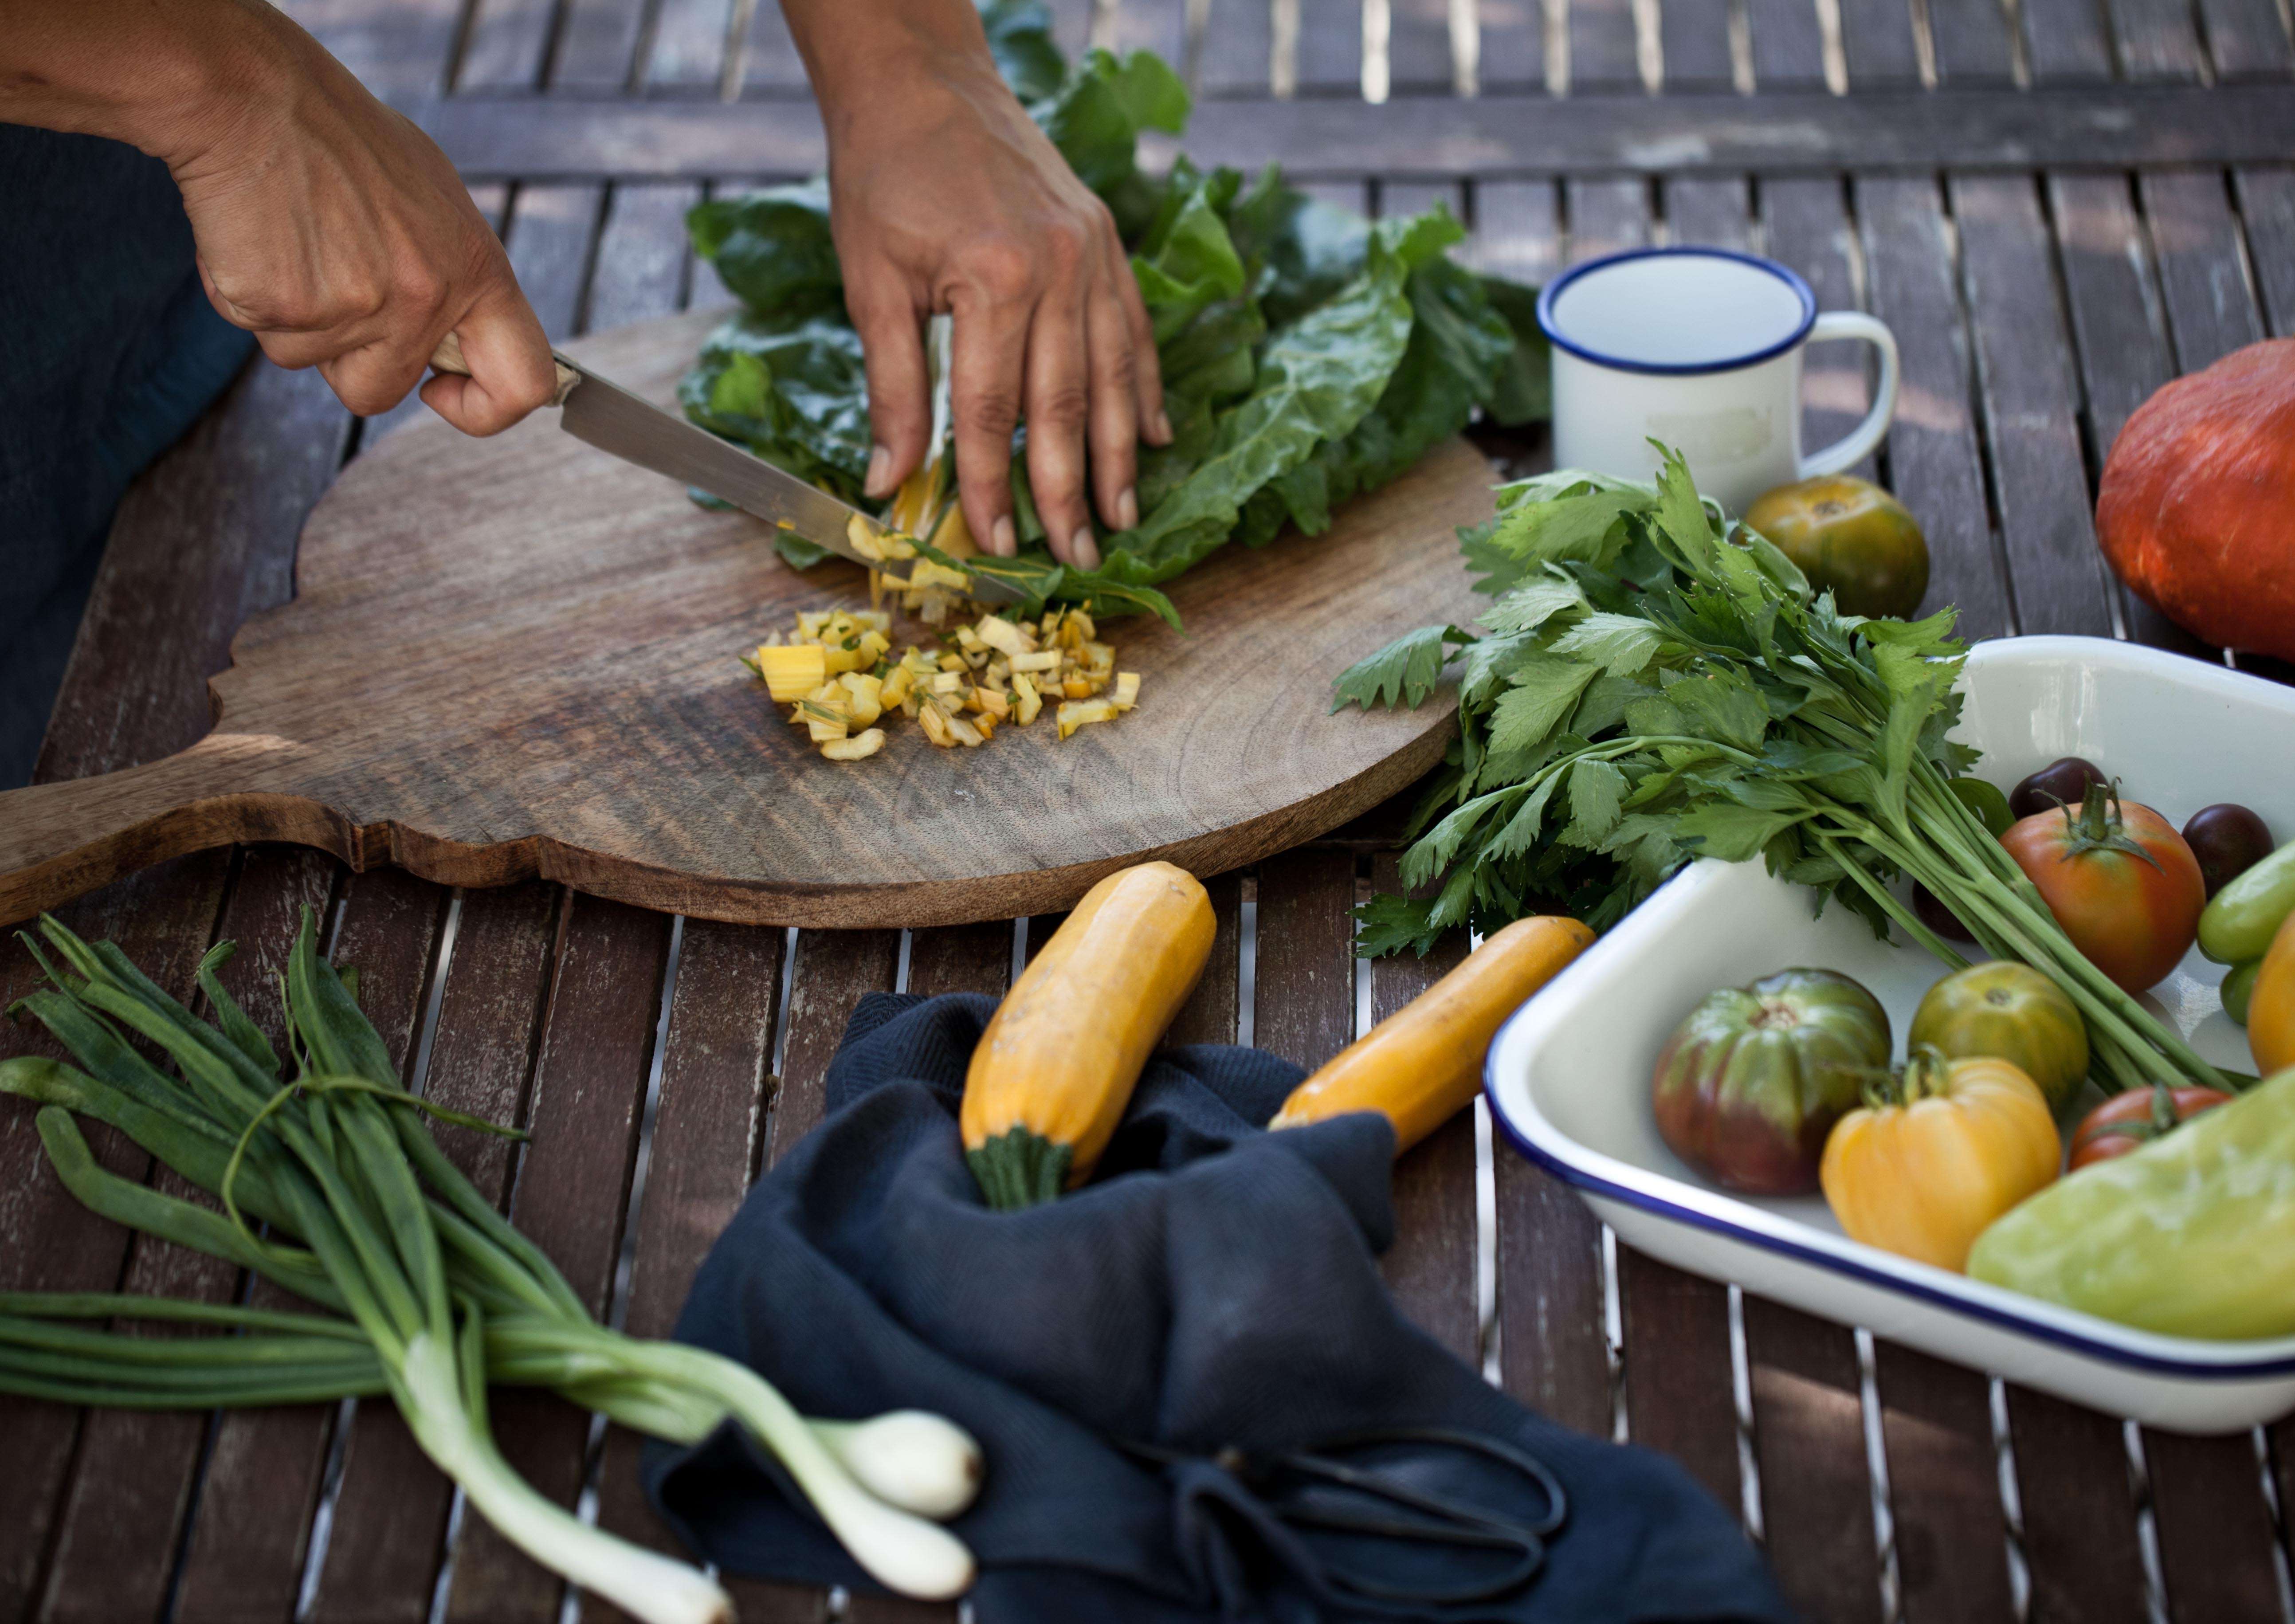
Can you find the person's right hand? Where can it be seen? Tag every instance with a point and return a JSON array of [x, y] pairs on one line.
[[337, 233]]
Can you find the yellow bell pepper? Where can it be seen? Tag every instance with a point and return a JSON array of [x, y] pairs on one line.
[[1940, 1154], [2271, 1005]]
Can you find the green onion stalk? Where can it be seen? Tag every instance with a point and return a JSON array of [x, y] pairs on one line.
[[332, 1187]]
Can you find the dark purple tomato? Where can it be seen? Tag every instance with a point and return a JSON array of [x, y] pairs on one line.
[[2228, 840], [2060, 783], [1932, 913]]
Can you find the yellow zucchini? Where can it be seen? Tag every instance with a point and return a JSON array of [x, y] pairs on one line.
[[1422, 1063], [1056, 1064]]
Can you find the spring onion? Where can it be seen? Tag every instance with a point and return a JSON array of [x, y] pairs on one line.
[[332, 1187]]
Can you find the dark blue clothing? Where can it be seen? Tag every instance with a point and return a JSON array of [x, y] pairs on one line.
[[108, 351], [1214, 1285]]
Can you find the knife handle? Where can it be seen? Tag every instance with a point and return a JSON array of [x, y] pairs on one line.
[[448, 358]]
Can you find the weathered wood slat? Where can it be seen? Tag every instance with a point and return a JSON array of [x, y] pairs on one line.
[[1210, 1014], [1876, 37], [390, 1511], [1809, 1436], [1890, 127], [1304, 1005], [2155, 39], [2216, 1536], [246, 1553], [2247, 39], [1431, 1266], [688, 51], [2267, 204], [1418, 51], [597, 44], [1512, 36], [1943, 1489], [1160, 26], [2030, 408], [2079, 1523], [1709, 211], [834, 968], [1972, 42], [1235, 55], [2065, 42], [400, 49], [1788, 45], [504, 45], [2210, 309], [1679, 1393], [1602, 48], [769, 64], [1326, 57], [1693, 45]]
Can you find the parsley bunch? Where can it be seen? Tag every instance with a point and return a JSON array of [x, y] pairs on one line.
[[1655, 682]]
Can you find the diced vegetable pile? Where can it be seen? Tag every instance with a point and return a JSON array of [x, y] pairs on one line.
[[1307, 354], [836, 673]]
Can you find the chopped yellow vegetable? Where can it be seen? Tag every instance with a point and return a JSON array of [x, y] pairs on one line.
[[791, 674], [929, 574], [837, 672], [1073, 716]]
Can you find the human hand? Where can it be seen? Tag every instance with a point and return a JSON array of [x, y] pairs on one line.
[[337, 233], [944, 196]]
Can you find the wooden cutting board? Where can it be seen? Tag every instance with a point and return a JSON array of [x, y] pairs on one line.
[[516, 657]]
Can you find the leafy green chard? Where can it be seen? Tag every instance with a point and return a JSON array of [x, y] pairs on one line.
[[1653, 683], [1306, 353]]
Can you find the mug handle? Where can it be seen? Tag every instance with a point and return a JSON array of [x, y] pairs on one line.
[[1861, 440]]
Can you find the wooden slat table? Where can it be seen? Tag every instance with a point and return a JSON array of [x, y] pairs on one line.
[[2057, 205]]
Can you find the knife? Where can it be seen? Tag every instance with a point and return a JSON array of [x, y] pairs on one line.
[[601, 412]]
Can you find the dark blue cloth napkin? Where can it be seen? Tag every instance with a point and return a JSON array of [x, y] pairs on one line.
[[1214, 1286]]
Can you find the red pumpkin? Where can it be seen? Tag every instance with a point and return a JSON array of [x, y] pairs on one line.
[[2197, 510]]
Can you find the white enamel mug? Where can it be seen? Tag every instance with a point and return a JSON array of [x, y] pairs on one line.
[[1699, 348]]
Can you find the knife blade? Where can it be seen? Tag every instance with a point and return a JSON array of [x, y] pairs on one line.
[[600, 412]]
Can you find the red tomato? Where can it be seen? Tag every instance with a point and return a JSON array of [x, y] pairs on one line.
[[2125, 1122], [2119, 880]]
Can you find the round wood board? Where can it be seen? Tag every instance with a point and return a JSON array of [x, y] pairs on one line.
[[519, 655]]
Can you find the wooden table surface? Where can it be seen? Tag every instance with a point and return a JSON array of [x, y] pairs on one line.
[[1934, 161]]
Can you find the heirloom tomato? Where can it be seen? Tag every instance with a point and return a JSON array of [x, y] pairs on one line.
[[2126, 1121], [2119, 880], [1755, 1077], [1850, 537], [1946, 1148], [2010, 1011]]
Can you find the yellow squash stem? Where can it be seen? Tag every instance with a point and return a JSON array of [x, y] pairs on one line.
[[1056, 1064], [1422, 1064]]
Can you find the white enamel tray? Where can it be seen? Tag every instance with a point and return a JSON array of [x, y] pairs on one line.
[[1569, 1076]]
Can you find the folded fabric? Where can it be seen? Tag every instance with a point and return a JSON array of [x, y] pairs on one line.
[[1128, 1354]]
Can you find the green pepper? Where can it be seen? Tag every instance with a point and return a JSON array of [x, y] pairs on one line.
[[2191, 1236], [2238, 925], [2238, 987]]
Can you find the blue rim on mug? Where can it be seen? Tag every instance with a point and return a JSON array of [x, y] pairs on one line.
[[1783, 273]]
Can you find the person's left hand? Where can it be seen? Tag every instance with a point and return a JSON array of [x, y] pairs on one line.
[[945, 195]]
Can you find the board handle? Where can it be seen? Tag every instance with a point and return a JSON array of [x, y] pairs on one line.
[[61, 840], [448, 358]]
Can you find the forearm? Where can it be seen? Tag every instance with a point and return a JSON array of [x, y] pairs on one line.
[[855, 50], [166, 76]]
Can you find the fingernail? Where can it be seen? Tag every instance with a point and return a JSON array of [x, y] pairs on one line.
[[1163, 431], [1127, 508], [1001, 540], [1083, 550], [880, 468]]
